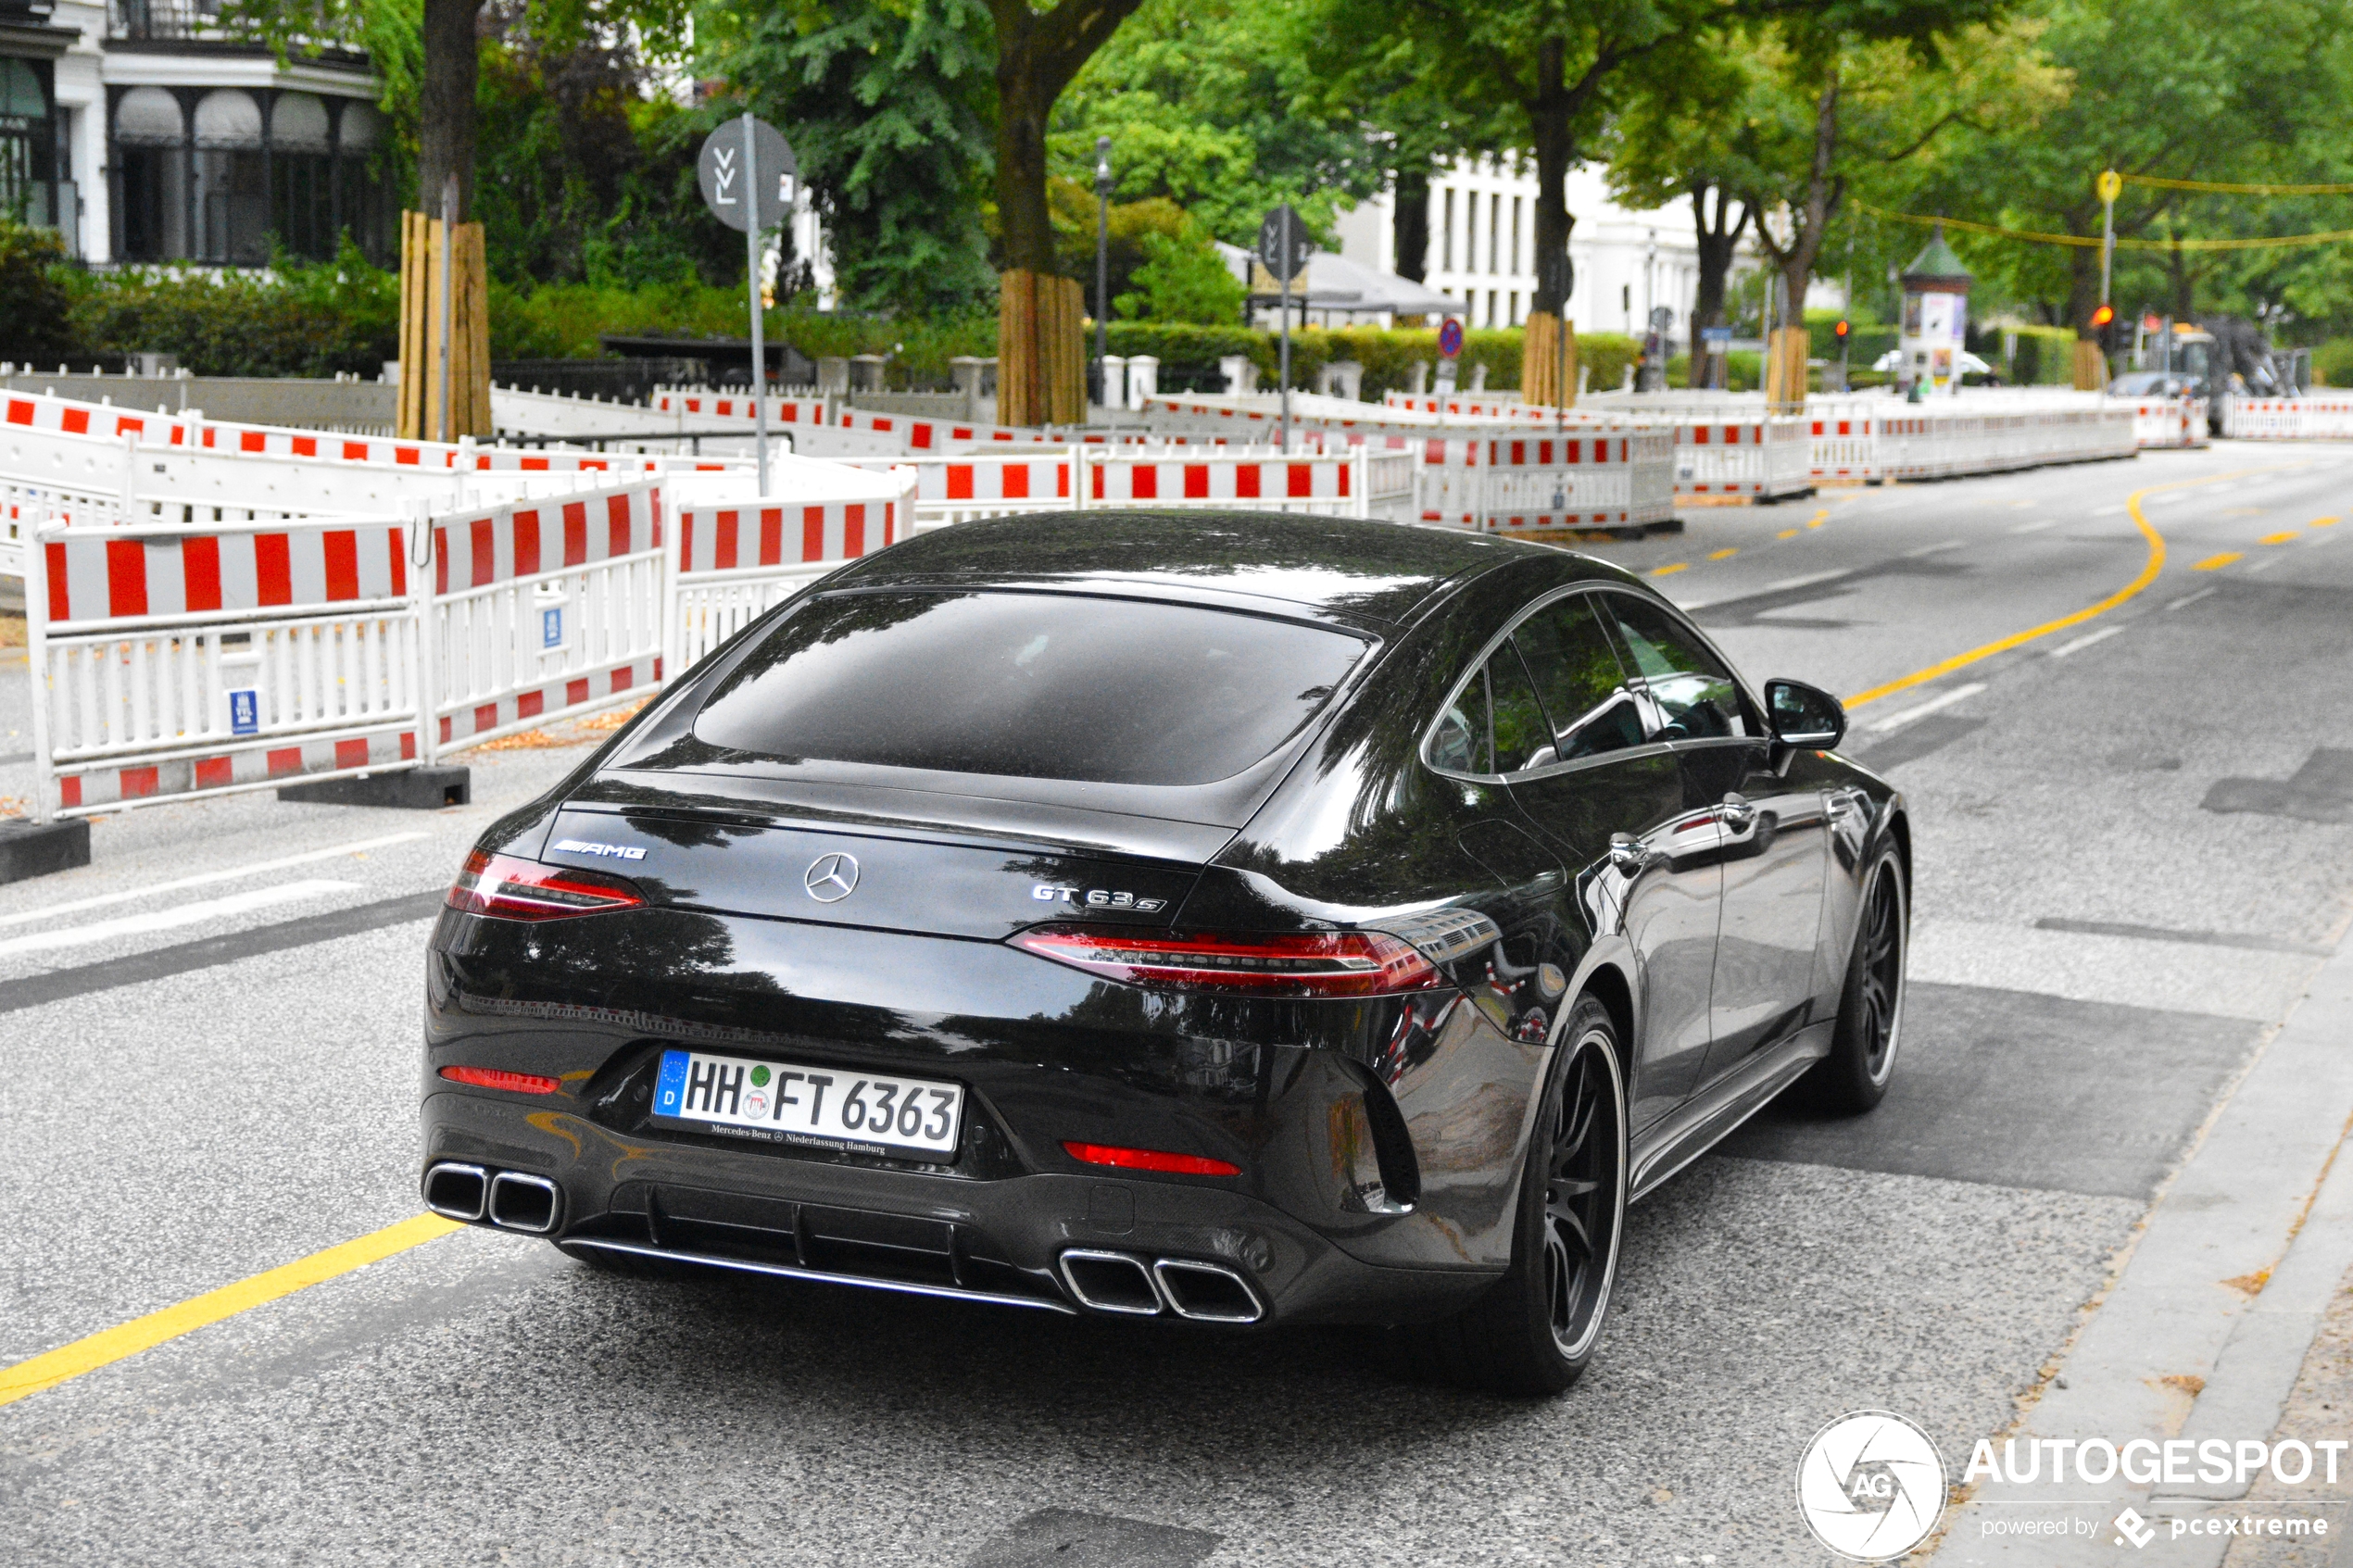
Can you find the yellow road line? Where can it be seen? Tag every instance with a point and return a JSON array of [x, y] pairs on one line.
[[2279, 538], [2149, 569], [1723, 555], [1786, 534], [2324, 522], [108, 1346], [1669, 570], [2216, 563]]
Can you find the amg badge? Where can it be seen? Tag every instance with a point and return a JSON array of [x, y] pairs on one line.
[[610, 851]]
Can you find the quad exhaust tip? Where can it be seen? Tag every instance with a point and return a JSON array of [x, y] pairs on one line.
[[507, 1198], [458, 1192], [524, 1204], [1128, 1285]]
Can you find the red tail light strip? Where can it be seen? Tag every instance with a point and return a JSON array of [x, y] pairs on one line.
[[1336, 964], [1150, 1160], [497, 1078], [509, 887]]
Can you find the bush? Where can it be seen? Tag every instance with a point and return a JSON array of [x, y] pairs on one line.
[[1182, 278], [2332, 362], [1386, 354], [291, 321], [33, 298]]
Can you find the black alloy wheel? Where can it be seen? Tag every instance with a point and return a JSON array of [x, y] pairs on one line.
[[1854, 1076], [1535, 1332]]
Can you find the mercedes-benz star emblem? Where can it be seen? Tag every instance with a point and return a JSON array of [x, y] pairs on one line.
[[831, 877]]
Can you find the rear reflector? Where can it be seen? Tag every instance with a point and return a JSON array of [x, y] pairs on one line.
[[1335, 964], [494, 1078], [1150, 1160], [509, 887]]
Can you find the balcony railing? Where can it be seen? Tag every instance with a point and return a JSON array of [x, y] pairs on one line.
[[225, 21]]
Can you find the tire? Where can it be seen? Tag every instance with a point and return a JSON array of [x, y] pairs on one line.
[[1534, 1332], [1854, 1076]]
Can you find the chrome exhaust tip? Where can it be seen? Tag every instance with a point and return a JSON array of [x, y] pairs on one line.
[[456, 1192], [1206, 1292], [517, 1202], [1110, 1282]]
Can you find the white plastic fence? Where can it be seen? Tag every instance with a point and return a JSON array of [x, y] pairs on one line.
[[733, 563], [2322, 416], [1517, 484], [2168, 422], [1360, 481], [1768, 457]]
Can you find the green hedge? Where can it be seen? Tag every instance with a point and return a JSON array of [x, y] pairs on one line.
[[1387, 355], [2332, 362]]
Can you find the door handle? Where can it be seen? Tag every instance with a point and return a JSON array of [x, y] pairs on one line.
[[1737, 812]]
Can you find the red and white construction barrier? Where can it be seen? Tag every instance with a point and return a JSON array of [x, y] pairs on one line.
[[1618, 479], [733, 563], [2320, 416], [1769, 456], [2168, 422]]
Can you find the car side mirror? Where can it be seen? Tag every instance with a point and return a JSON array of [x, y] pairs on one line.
[[1804, 715]]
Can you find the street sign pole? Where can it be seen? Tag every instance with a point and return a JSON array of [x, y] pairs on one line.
[[751, 286], [2111, 185], [1285, 375]]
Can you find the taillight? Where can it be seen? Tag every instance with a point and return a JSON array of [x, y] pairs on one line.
[[1345, 964], [509, 887], [498, 1078], [1150, 1160]]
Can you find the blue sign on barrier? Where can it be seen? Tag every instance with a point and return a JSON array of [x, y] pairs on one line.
[[245, 710], [551, 628]]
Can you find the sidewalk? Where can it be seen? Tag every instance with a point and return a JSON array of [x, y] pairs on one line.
[[2204, 1337]]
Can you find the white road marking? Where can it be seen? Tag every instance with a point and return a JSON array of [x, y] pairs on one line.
[[2086, 641], [1897, 721], [2109, 512], [102, 899], [2036, 527], [173, 919], [1933, 549], [2192, 598], [2264, 564], [1687, 606]]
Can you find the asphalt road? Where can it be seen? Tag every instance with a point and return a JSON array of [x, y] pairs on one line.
[[2135, 843]]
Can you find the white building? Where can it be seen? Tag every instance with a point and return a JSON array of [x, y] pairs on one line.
[[1482, 249], [141, 131]]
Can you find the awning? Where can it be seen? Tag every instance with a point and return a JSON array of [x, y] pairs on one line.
[[1334, 282]]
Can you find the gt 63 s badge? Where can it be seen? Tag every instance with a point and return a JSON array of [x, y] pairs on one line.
[[1096, 897]]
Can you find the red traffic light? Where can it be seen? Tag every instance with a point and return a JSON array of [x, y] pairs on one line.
[[1840, 329], [2104, 315]]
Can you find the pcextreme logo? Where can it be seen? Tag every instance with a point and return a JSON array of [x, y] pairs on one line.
[[1870, 1485]]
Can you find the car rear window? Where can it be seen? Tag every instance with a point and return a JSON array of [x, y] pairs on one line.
[[1029, 685]]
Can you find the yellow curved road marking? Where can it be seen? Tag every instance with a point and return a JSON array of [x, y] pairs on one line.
[[108, 1346], [2149, 569]]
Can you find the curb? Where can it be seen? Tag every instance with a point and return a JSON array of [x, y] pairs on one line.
[[2181, 1349]]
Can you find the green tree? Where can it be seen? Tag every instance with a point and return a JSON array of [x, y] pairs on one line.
[[886, 105], [33, 301], [1182, 278]]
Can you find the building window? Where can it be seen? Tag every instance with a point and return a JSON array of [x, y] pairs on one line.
[[30, 191], [1470, 231], [1450, 228], [243, 175]]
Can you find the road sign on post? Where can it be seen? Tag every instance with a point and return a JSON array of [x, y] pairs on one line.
[[1283, 246], [750, 181], [1450, 338]]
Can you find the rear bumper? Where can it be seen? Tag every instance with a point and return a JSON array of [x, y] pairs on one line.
[[1004, 1241]]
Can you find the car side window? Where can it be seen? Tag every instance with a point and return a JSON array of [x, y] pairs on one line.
[[1462, 742], [1523, 740], [1578, 676], [1692, 696]]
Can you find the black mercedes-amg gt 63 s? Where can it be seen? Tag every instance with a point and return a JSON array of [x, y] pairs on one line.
[[1236, 918]]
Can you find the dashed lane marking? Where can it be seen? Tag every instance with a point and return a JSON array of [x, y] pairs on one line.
[[1726, 554], [2216, 563], [2086, 640], [2285, 536], [2325, 522], [2188, 599], [356, 847], [2035, 527], [1671, 569], [1786, 534], [109, 1346], [1897, 721]]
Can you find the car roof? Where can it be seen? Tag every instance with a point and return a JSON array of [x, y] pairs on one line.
[[1339, 569]]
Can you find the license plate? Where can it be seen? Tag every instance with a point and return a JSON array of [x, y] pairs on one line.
[[783, 1103]]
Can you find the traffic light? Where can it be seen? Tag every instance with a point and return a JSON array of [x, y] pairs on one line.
[[2103, 316], [1841, 330]]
